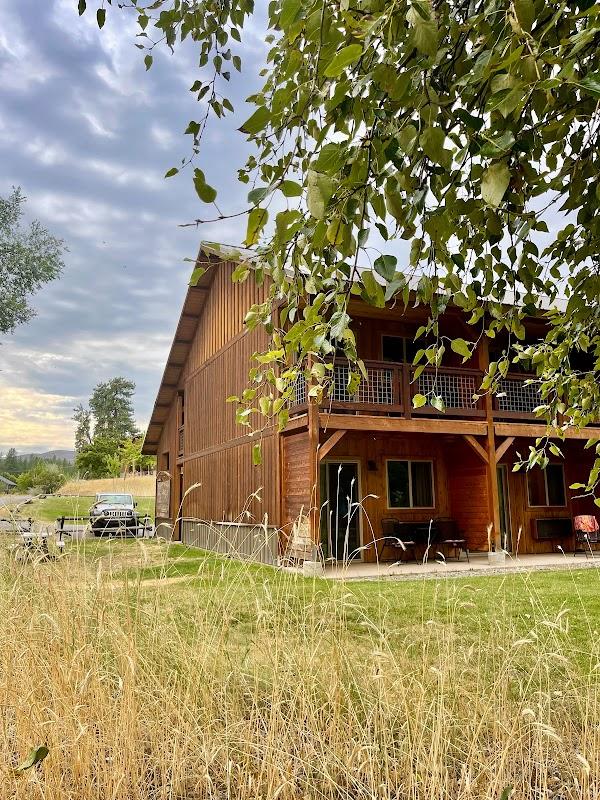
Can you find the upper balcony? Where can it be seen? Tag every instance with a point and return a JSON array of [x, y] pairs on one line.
[[390, 388]]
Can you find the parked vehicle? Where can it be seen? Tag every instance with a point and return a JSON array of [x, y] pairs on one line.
[[115, 513]]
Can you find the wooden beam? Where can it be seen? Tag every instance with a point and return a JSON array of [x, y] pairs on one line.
[[327, 446], [533, 431], [301, 421], [313, 473], [366, 422], [474, 444], [500, 451]]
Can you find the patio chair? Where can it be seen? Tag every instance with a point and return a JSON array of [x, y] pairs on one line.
[[450, 537], [395, 534], [587, 533]]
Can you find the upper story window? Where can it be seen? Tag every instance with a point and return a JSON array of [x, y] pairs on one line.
[[546, 487], [410, 484], [401, 349]]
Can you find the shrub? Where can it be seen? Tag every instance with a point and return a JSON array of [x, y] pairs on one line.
[[44, 477]]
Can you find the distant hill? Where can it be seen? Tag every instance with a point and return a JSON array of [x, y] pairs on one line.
[[66, 455]]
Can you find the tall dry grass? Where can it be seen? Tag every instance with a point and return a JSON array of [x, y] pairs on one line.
[[249, 684], [139, 485]]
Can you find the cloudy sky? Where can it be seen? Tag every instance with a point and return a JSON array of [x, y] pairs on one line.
[[88, 135]]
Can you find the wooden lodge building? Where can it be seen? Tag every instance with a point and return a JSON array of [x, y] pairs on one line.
[[398, 463]]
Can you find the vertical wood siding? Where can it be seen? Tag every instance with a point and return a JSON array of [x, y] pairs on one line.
[[296, 488], [168, 444], [577, 464], [217, 451], [223, 314]]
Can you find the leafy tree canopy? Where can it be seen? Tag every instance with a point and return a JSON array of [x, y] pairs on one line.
[[467, 128], [29, 258], [110, 413], [107, 439]]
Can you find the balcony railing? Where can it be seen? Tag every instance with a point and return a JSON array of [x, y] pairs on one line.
[[390, 388], [516, 398]]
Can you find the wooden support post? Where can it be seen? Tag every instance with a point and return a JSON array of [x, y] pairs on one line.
[[406, 396], [491, 467], [313, 470]]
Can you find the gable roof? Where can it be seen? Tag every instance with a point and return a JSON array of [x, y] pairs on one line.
[[6, 481]]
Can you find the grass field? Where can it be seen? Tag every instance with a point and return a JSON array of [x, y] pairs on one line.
[[155, 671], [139, 485]]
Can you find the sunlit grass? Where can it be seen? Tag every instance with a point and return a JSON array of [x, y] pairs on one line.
[[157, 671]]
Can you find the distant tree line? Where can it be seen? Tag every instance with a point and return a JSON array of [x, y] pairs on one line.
[[33, 472], [12, 465], [108, 442]]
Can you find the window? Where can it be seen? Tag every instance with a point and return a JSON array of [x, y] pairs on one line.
[[392, 348], [402, 349], [546, 487], [410, 484]]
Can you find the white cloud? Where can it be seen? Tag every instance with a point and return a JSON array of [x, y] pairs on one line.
[[16, 51], [31, 418]]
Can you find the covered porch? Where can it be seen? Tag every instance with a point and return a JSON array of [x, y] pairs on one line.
[[439, 485]]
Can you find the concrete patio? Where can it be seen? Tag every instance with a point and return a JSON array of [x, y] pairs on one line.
[[477, 566]]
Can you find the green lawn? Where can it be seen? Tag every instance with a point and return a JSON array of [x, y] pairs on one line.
[[50, 508], [564, 603]]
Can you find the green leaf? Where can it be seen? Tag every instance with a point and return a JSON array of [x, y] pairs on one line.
[[475, 123], [438, 403], [257, 219], [170, 172], [507, 95], [264, 404], [424, 32], [257, 195], [342, 59], [591, 84], [320, 190], [407, 137], [461, 347], [494, 183], [330, 158], [339, 324], [148, 61], [432, 141], [419, 400], [497, 146], [81, 6], [289, 12], [386, 267], [291, 189], [336, 231], [373, 289], [35, 756], [257, 121], [101, 17], [257, 454], [525, 12], [205, 192], [196, 275]]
